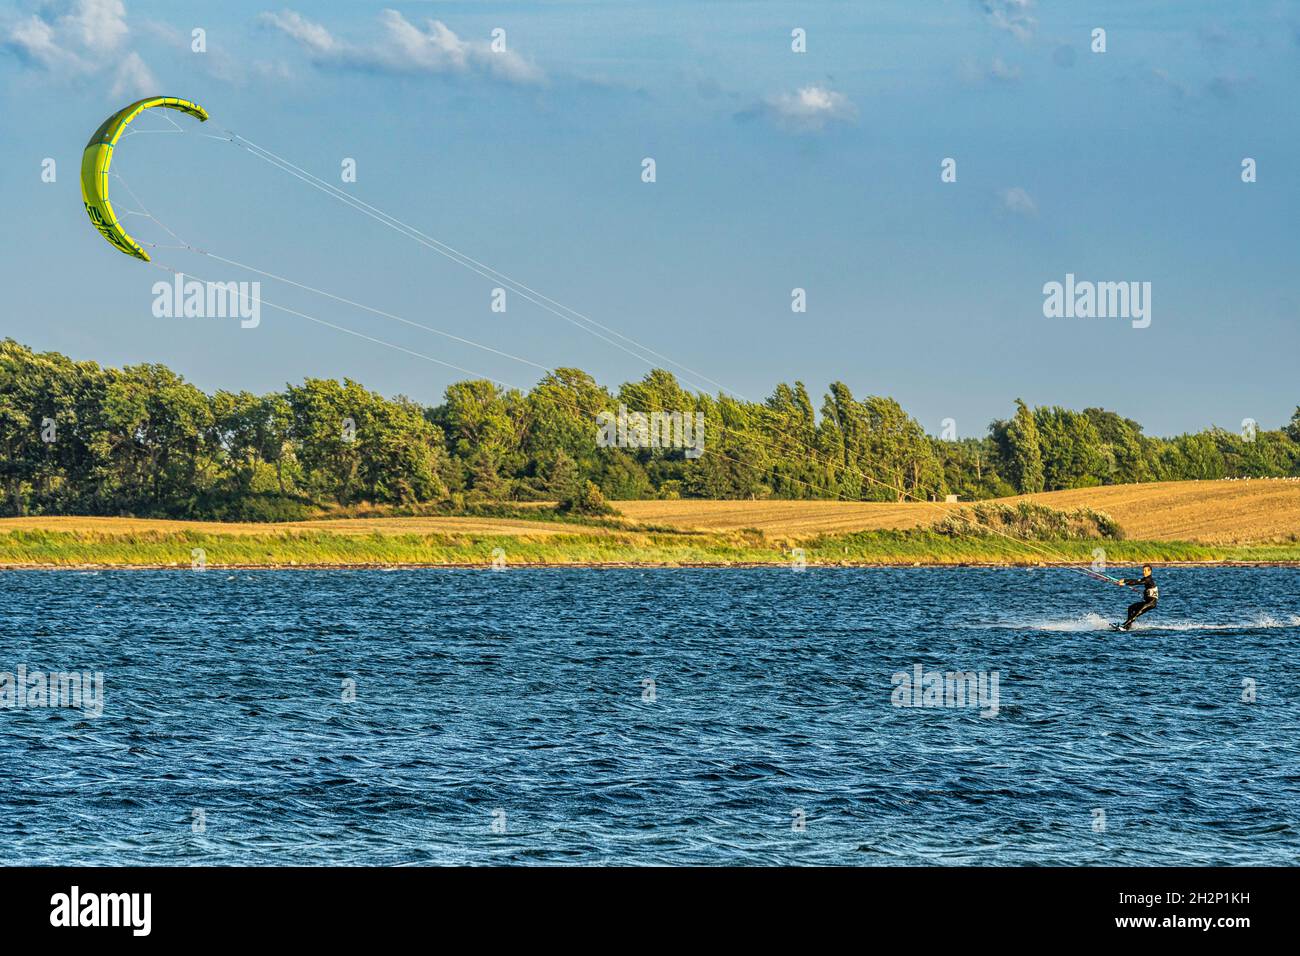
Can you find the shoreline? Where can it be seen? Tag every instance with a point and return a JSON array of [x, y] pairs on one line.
[[92, 546], [626, 566]]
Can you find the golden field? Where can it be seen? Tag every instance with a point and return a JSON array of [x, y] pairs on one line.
[[343, 526], [1259, 511], [791, 519], [1210, 512]]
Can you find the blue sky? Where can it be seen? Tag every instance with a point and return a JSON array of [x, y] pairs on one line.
[[775, 170]]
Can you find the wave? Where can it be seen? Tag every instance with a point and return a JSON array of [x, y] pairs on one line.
[[1095, 622], [1088, 622]]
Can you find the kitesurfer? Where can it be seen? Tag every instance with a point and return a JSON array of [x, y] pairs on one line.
[[1150, 595]]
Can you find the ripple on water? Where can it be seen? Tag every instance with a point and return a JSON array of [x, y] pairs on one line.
[[665, 716]]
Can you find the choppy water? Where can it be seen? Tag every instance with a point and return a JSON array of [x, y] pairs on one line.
[[506, 717]]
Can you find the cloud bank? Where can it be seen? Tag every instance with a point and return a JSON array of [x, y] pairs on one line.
[[80, 38], [405, 47]]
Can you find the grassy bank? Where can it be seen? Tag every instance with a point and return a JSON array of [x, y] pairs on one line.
[[170, 548]]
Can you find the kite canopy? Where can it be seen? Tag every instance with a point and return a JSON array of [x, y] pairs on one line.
[[99, 154]]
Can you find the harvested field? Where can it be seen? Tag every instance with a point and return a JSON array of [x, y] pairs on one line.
[[1259, 511], [349, 526], [1209, 512]]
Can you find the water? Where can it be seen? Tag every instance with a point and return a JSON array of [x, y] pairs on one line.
[[518, 702]]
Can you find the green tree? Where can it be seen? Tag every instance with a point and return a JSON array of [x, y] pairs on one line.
[[327, 418], [1070, 449], [1293, 428], [1020, 450]]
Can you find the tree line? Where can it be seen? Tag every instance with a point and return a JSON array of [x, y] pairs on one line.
[[78, 438]]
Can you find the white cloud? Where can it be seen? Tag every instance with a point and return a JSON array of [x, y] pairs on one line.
[[1000, 70], [1017, 200], [33, 39], [1013, 16], [165, 33], [311, 35], [133, 77], [405, 47], [974, 72], [98, 25], [810, 108], [76, 38]]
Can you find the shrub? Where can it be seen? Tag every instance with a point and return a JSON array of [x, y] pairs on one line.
[[1031, 522], [257, 506], [586, 500]]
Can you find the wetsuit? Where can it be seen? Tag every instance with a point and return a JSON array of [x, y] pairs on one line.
[[1150, 595]]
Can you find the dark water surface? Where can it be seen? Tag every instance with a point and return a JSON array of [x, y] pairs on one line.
[[519, 702]]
